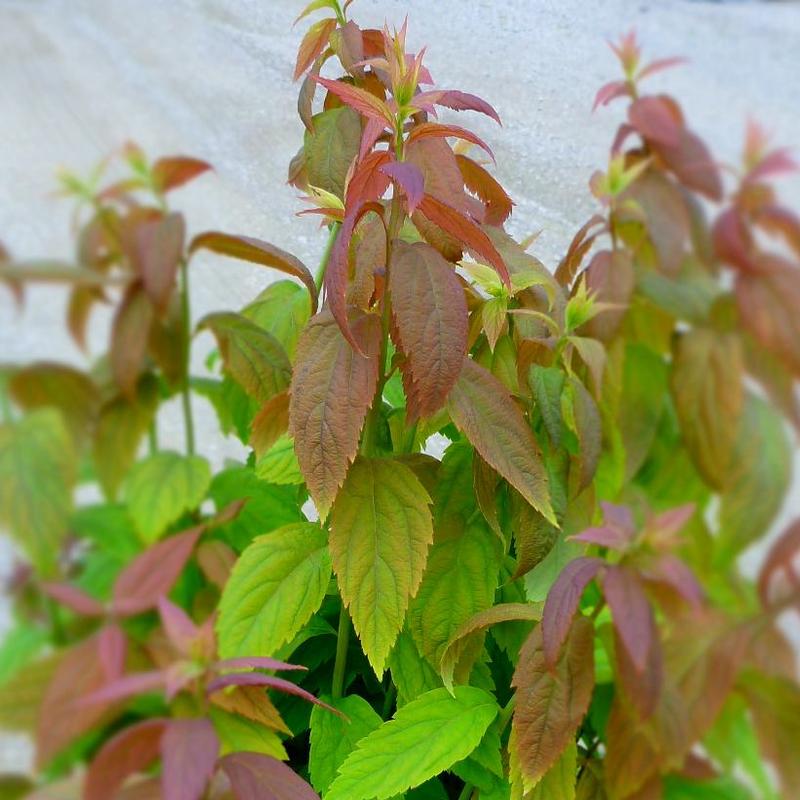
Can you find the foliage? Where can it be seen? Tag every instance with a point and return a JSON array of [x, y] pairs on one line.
[[524, 491]]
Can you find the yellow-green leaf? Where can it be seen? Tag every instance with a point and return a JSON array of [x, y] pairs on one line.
[[381, 530], [162, 487], [37, 472], [278, 582]]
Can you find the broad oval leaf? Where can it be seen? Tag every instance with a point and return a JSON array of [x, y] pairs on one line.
[[37, 470], [381, 530], [550, 703], [423, 739], [278, 582], [254, 776], [282, 309], [162, 487], [431, 321], [256, 251], [253, 357], [333, 738], [332, 388], [131, 750], [484, 411], [331, 149], [157, 256]]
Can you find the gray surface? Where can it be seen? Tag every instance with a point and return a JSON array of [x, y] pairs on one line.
[[212, 78]]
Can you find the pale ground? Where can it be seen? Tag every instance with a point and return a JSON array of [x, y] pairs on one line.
[[212, 78]]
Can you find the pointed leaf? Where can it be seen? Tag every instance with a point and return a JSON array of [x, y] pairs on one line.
[[428, 130], [425, 737], [456, 100], [633, 617], [488, 189], [381, 529], [173, 171], [314, 42], [256, 251], [359, 99], [332, 148], [408, 177], [129, 337], [252, 703], [550, 704], [151, 575], [189, 750], [325, 429], [431, 319], [278, 582], [482, 408], [562, 604], [158, 254], [74, 598]]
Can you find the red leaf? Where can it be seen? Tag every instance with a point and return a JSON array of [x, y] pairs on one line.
[[256, 251], [151, 575], [254, 776], [480, 182], [668, 570], [780, 221], [325, 429], [642, 688], [130, 751], [610, 91], [779, 576], [604, 536], [466, 231], [257, 662], [654, 119], [259, 679], [408, 177], [670, 523], [368, 182], [633, 616], [370, 135], [551, 701], [189, 750], [580, 244], [732, 240], [691, 161], [658, 65], [126, 687], [359, 99], [433, 130], [129, 336], [74, 598], [457, 101], [562, 604], [112, 647], [173, 171], [63, 716], [180, 629], [158, 254], [778, 162], [431, 321], [337, 271], [314, 42]]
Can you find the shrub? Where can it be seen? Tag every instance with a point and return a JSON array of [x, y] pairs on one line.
[[529, 488]]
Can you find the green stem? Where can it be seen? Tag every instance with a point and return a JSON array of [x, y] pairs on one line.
[[342, 642], [152, 437], [389, 700], [326, 254], [504, 717], [466, 792], [186, 397]]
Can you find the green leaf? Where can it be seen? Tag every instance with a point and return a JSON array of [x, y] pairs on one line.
[[482, 408], [19, 646], [425, 737], [276, 585], [331, 148], [37, 472], [110, 527], [547, 383], [381, 529], [282, 309], [558, 783], [279, 464], [234, 407], [119, 431], [722, 788], [268, 507], [757, 482], [254, 358], [411, 672], [333, 738], [238, 734], [162, 487], [459, 582]]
